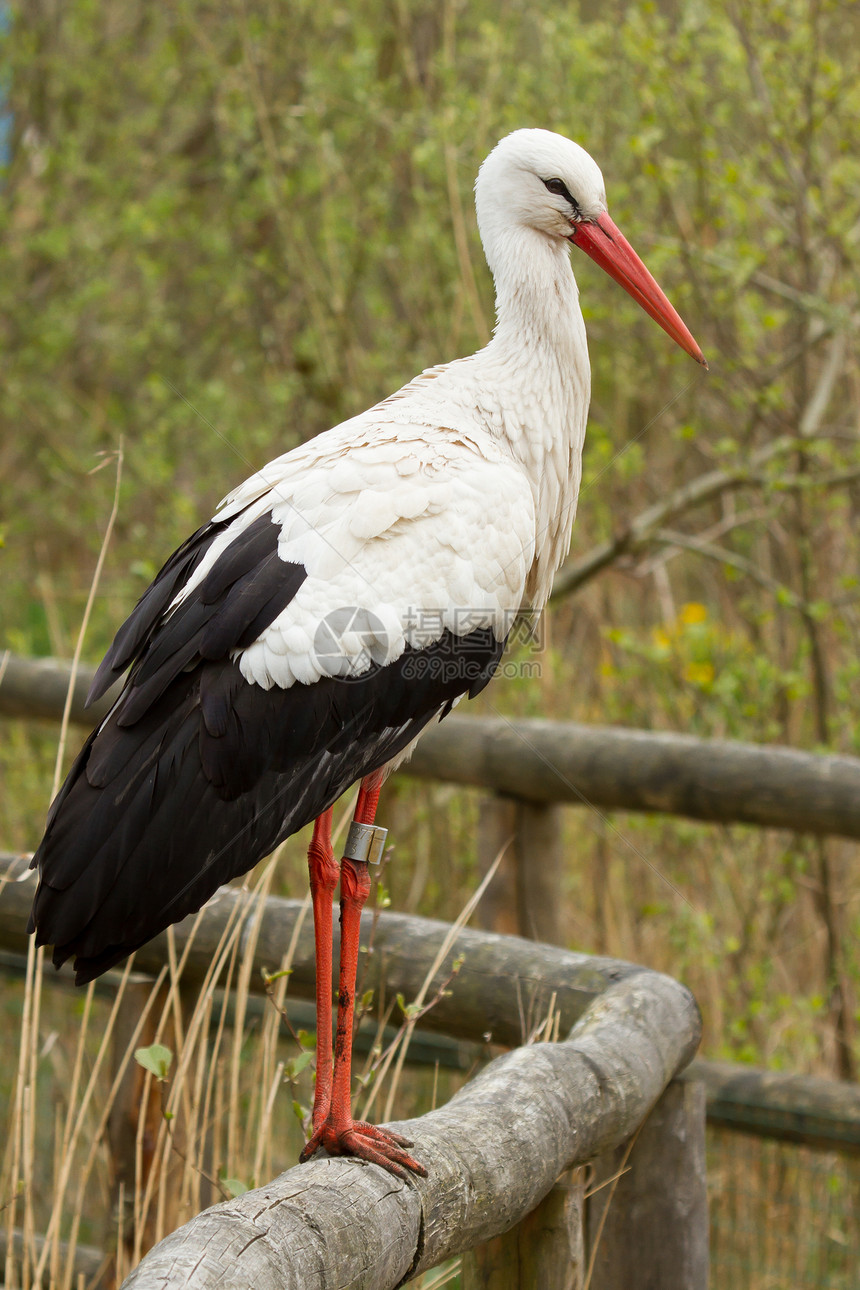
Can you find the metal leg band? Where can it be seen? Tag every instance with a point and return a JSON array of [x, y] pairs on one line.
[[365, 842]]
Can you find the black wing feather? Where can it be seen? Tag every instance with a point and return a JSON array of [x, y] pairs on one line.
[[226, 611], [188, 811], [196, 774], [147, 613]]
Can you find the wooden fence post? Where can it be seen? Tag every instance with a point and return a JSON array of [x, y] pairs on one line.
[[650, 1228], [546, 1251], [525, 897]]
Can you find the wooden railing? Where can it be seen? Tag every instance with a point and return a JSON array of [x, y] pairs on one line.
[[631, 1031], [496, 1150], [493, 1153], [497, 1147]]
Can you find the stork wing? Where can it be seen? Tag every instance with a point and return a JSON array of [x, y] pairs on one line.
[[339, 600]]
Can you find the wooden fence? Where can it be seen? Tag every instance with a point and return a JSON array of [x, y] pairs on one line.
[[496, 1150], [549, 1107], [497, 1147], [548, 762]]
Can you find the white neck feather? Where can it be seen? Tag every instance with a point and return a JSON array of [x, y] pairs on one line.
[[528, 389], [539, 324], [537, 367]]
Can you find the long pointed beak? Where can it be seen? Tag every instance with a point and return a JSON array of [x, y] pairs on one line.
[[607, 246]]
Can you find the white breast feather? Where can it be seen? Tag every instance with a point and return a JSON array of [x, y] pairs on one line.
[[419, 530]]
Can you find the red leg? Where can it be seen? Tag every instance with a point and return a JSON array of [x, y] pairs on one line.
[[324, 873], [340, 1135], [368, 797]]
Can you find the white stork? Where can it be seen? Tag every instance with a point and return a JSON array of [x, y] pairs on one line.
[[341, 599]]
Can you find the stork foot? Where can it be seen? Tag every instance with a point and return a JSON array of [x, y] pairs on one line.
[[365, 1142]]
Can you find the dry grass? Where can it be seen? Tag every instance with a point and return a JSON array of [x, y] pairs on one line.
[[781, 1215], [102, 1152]]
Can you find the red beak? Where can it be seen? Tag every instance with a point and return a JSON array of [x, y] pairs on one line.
[[609, 248]]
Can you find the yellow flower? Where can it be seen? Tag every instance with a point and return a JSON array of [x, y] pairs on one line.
[[692, 613], [661, 638], [699, 673]]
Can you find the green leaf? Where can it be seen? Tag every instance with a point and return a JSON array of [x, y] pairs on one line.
[[234, 1186], [296, 1065], [156, 1059]]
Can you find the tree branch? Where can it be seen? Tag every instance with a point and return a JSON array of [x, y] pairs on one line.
[[719, 553], [575, 573]]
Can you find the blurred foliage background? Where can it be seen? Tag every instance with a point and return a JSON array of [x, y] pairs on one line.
[[225, 226]]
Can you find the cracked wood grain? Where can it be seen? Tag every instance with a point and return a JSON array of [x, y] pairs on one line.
[[492, 1153]]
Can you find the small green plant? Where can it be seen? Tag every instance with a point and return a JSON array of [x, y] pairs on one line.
[[157, 1059]]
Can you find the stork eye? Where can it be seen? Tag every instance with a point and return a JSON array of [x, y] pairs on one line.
[[559, 187]]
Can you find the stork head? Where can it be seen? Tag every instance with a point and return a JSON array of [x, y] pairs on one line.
[[534, 179]]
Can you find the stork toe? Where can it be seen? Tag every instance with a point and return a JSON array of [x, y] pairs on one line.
[[365, 1142]]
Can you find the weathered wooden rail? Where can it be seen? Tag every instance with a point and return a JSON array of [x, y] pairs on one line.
[[801, 1109], [492, 1154], [494, 1151], [548, 1106], [503, 983]]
